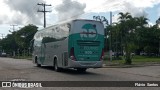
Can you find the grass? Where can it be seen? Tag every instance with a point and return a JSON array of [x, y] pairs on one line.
[[23, 57], [135, 60], [145, 59], [120, 61]]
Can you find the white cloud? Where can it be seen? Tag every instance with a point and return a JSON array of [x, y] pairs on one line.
[[115, 18], [150, 24], [114, 5], [92, 4], [143, 3], [4, 8], [21, 11], [136, 7], [135, 11], [69, 10]]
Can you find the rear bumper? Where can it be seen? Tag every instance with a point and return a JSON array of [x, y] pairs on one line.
[[84, 64]]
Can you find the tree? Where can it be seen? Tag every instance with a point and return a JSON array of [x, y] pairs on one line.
[[141, 21], [147, 36], [133, 34], [141, 27], [127, 32], [24, 36], [157, 26], [19, 39], [114, 32], [8, 44], [124, 17]]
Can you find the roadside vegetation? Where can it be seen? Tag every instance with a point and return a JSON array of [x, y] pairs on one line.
[[133, 36], [137, 59], [23, 57], [17, 44], [129, 36]]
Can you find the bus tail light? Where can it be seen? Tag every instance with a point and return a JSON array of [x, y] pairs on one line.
[[102, 54], [72, 56]]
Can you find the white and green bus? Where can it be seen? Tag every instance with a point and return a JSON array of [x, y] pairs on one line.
[[77, 44]]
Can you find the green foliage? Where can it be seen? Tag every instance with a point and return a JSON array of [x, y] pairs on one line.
[[18, 40], [133, 34], [136, 60], [25, 35], [8, 44], [150, 49]]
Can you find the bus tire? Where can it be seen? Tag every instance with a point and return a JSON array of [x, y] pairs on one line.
[[36, 61], [38, 65], [56, 68], [81, 69]]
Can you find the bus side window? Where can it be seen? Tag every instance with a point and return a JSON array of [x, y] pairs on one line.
[[48, 39], [31, 46]]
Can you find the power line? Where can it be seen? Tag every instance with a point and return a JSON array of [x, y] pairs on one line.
[[44, 11], [13, 27]]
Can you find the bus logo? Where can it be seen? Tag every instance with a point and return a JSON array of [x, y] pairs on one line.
[[89, 32], [6, 84]]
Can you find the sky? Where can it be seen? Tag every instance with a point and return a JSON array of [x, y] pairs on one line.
[[24, 12]]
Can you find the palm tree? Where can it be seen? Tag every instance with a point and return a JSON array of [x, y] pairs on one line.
[[124, 17], [127, 25], [141, 28], [141, 21]]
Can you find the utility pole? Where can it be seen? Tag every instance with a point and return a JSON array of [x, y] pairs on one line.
[[110, 40], [2, 35], [44, 11], [13, 32], [13, 25]]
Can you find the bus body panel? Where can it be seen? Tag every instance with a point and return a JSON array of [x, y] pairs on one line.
[[59, 54], [84, 64], [51, 43], [85, 41]]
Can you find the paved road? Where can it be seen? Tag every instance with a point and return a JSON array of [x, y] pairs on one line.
[[11, 69]]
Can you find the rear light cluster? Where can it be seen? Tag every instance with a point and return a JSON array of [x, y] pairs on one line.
[[72, 55], [102, 54]]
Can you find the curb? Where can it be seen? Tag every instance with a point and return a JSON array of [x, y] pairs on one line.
[[130, 66]]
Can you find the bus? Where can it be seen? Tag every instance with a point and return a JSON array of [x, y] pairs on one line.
[[76, 44]]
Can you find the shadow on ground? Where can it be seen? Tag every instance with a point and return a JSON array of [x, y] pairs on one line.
[[69, 71]]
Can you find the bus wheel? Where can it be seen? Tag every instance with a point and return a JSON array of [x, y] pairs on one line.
[[56, 68], [38, 65], [81, 69], [36, 61]]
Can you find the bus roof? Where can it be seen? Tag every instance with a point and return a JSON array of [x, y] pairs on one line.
[[68, 21]]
